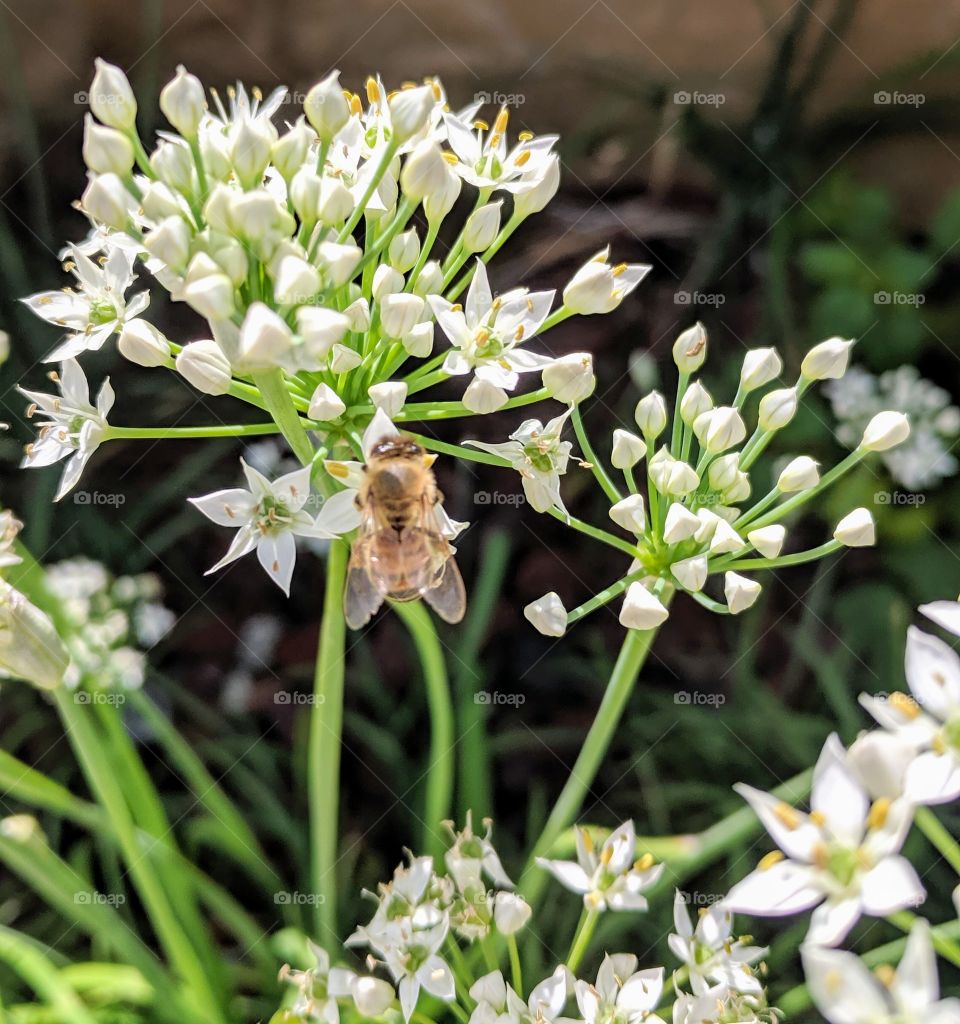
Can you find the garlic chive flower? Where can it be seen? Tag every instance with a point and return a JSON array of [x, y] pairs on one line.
[[621, 993]]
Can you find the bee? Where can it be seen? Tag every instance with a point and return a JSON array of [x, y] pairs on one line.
[[400, 551]]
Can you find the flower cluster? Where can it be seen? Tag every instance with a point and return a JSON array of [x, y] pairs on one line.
[[925, 458], [696, 518]]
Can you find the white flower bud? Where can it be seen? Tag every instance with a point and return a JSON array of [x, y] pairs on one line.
[[740, 592], [404, 251], [430, 281], [690, 349], [336, 202], [547, 615], [510, 912], [409, 111], [106, 200], [372, 996], [418, 342], [325, 404], [886, 430], [257, 215], [205, 367], [691, 573], [856, 529], [296, 281], [143, 344], [441, 201], [30, 647], [215, 151], [482, 397], [723, 471], [768, 540], [570, 379], [651, 415], [338, 262], [250, 144], [799, 474], [358, 313], [879, 760], [231, 256], [159, 202], [265, 339], [425, 171], [707, 520], [672, 476], [400, 313], [112, 99], [680, 525], [642, 609], [531, 195], [388, 396], [777, 408], [169, 242], [386, 281], [202, 265], [218, 209], [172, 162], [828, 360], [628, 449], [695, 402], [343, 359], [305, 189], [630, 513], [183, 102], [290, 150], [211, 296], [106, 150], [481, 227], [724, 429], [326, 107], [320, 329], [725, 539], [760, 366]]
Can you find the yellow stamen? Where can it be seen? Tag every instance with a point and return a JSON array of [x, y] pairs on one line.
[[408, 85], [356, 104], [481, 125], [500, 125], [878, 813], [336, 470], [818, 818], [618, 269], [523, 158], [587, 840], [645, 862], [787, 816], [518, 334], [772, 858], [606, 855], [451, 158], [885, 974], [907, 706], [373, 90], [525, 136]]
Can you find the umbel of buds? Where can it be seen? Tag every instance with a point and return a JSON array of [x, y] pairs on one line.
[[695, 524]]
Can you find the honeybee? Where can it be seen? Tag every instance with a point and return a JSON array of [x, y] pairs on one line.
[[400, 551]]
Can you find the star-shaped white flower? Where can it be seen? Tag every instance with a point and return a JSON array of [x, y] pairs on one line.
[[95, 311], [609, 877], [319, 988], [622, 994], [472, 856], [846, 992], [536, 452], [709, 951], [929, 720], [267, 516], [842, 858], [486, 335], [498, 1003], [73, 428]]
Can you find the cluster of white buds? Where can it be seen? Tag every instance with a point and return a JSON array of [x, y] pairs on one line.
[[697, 519]]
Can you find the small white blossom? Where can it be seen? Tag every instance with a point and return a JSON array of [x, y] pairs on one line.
[[547, 615], [599, 288], [621, 993]]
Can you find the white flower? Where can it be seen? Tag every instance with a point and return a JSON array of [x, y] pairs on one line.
[[768, 540], [710, 952], [740, 593], [672, 476], [642, 609], [486, 334], [498, 1002], [760, 366], [265, 339], [73, 429], [106, 150], [856, 529], [388, 395], [841, 858], [681, 524], [627, 449], [536, 452], [777, 408], [267, 516], [183, 102], [481, 227], [630, 513], [651, 415], [695, 402], [536, 187], [510, 912], [886, 430], [599, 288], [111, 97], [720, 429], [472, 856], [325, 404], [799, 474], [143, 344], [609, 877], [846, 992], [547, 615], [690, 349], [326, 107], [945, 614], [621, 994], [827, 361], [205, 366], [98, 309], [30, 647], [570, 379], [106, 200], [691, 573], [319, 988]]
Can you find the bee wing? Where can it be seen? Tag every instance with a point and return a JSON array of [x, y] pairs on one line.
[[447, 596], [365, 590]]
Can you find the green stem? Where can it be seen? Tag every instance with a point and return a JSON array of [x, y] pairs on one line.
[[439, 773], [596, 533], [43, 977], [797, 558], [931, 826], [323, 756], [633, 653], [280, 406], [360, 208], [945, 947], [516, 971], [581, 940], [596, 466], [605, 596], [162, 433]]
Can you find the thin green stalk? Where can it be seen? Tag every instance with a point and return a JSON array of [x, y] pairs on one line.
[[811, 492], [676, 435], [324, 743], [172, 433], [633, 653], [935, 831], [43, 977], [581, 939], [797, 558], [439, 774], [281, 408], [945, 947], [516, 971], [596, 533], [605, 596], [388, 154], [596, 466]]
